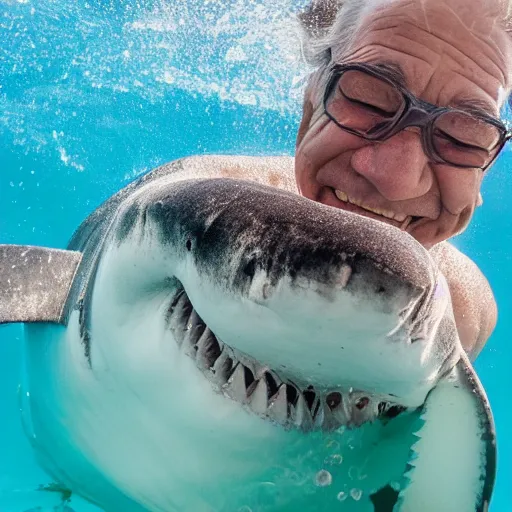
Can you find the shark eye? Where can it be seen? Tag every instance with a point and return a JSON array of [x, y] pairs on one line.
[[189, 244]]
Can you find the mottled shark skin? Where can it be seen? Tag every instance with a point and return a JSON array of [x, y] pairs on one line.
[[204, 338]]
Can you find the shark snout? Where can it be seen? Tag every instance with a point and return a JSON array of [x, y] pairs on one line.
[[319, 295]]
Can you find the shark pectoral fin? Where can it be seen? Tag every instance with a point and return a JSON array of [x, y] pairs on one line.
[[35, 283], [453, 463]]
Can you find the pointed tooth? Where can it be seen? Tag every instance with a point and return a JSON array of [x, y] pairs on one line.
[[223, 367], [189, 345], [208, 350], [319, 417], [301, 415], [179, 302], [235, 386], [190, 338], [329, 422], [178, 316], [259, 397], [278, 408], [339, 413], [273, 382], [193, 320]]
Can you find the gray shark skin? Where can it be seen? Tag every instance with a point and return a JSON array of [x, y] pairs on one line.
[[200, 331]]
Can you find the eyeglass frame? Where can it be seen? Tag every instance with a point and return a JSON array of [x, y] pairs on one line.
[[416, 112]]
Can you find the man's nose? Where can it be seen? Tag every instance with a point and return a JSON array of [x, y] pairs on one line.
[[397, 167]]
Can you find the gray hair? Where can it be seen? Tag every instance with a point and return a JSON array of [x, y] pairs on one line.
[[331, 25]]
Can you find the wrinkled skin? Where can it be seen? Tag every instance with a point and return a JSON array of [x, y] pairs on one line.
[[450, 51]]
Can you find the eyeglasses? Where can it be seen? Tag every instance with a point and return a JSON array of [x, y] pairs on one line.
[[364, 100]]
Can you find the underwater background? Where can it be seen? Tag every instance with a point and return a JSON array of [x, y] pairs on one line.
[[94, 94]]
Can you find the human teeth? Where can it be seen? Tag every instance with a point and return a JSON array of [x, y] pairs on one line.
[[342, 196]]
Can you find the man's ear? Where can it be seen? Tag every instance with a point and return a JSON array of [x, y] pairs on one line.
[[307, 114]]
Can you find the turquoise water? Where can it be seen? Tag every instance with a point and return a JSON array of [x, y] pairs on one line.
[[93, 96]]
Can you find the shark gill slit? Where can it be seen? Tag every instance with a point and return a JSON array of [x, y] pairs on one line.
[[260, 388]]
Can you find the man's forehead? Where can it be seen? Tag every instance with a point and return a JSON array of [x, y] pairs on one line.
[[420, 41], [479, 16]]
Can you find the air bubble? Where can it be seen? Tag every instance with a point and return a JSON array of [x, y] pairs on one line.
[[334, 460], [341, 496], [323, 478], [333, 444], [356, 494]]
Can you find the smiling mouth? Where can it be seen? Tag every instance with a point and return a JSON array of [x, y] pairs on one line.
[[260, 389], [399, 220]]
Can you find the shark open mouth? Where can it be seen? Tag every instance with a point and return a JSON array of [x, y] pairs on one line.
[[260, 389]]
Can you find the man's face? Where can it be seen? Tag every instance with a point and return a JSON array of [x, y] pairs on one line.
[[450, 52]]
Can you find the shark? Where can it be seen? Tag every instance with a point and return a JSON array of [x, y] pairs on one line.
[[210, 343]]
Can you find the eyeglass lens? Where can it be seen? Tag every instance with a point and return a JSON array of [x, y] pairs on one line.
[[371, 106]]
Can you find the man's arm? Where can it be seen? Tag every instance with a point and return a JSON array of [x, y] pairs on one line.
[[474, 305]]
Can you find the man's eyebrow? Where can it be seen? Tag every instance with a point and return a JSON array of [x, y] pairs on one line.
[[471, 105], [394, 71], [476, 105]]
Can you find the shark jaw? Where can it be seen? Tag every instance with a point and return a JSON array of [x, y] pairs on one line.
[[260, 389]]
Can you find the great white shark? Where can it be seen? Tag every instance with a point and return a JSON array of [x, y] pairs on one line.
[[207, 344]]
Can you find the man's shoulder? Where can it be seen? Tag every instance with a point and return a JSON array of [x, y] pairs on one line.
[[275, 171], [473, 301]]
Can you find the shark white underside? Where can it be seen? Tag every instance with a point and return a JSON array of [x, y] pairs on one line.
[[203, 344]]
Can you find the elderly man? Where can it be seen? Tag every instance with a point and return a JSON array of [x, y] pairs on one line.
[[401, 124]]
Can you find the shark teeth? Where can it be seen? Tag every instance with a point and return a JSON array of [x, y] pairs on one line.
[[261, 390], [235, 387], [278, 406], [222, 368], [258, 399], [208, 350]]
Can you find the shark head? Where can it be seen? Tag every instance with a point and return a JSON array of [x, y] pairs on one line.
[[313, 316]]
